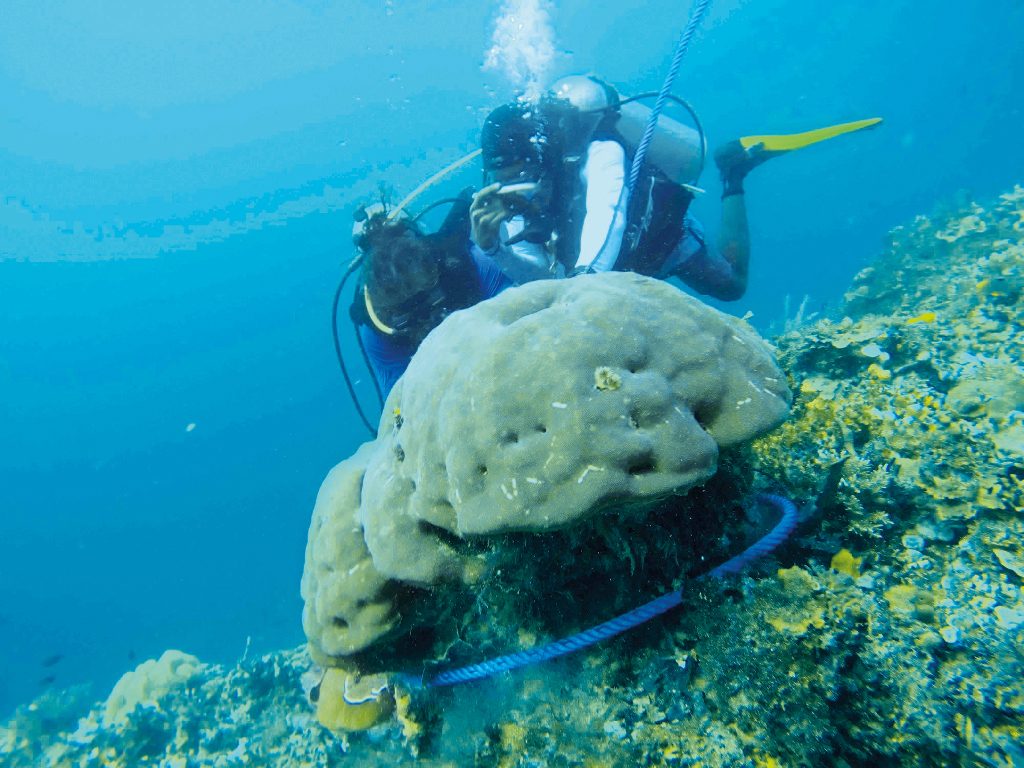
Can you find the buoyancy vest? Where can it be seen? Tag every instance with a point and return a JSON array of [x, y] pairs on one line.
[[654, 220], [654, 223]]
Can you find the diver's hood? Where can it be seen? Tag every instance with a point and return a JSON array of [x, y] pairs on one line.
[[456, 279], [511, 134]]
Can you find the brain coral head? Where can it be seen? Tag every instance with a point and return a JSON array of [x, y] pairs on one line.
[[538, 408]]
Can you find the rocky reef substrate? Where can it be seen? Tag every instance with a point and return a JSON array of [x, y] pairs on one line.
[[888, 631]]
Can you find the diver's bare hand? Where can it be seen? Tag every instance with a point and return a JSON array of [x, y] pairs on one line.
[[486, 213]]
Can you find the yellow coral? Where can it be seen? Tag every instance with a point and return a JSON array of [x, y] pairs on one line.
[[909, 601], [990, 498], [606, 380], [149, 682], [843, 561], [807, 613], [970, 224], [348, 702], [1012, 561], [901, 598], [798, 625], [797, 581], [924, 317], [513, 737], [879, 372], [411, 728], [671, 752]]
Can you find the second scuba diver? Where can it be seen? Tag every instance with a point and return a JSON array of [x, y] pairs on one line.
[[563, 162], [412, 280], [556, 205]]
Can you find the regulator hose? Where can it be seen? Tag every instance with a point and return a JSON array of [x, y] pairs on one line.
[[352, 267]]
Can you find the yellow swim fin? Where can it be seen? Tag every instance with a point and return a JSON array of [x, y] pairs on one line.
[[790, 141]]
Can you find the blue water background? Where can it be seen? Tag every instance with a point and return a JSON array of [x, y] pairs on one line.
[[177, 183]]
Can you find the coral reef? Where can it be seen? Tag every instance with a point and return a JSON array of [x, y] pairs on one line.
[[252, 714], [149, 682], [532, 412], [889, 632]]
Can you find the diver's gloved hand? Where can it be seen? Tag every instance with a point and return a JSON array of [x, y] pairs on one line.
[[486, 213], [735, 162]]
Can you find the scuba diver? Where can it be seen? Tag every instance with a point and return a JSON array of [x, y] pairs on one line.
[[557, 169], [412, 280]]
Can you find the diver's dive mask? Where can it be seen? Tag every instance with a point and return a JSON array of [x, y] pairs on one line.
[[419, 309]]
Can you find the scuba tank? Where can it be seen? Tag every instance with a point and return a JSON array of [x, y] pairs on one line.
[[657, 208], [676, 149]]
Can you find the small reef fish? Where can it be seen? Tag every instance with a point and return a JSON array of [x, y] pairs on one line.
[[924, 317], [48, 680], [50, 661]]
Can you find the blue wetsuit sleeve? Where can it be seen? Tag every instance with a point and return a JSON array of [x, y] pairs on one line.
[[492, 280], [388, 357]]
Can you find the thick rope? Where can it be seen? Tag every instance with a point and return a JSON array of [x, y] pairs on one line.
[[767, 543], [696, 16], [619, 624], [567, 645]]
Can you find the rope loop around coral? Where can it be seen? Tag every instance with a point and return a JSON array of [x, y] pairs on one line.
[[616, 626]]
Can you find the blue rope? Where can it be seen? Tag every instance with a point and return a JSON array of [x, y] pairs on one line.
[[767, 543], [619, 624], [567, 645], [696, 16]]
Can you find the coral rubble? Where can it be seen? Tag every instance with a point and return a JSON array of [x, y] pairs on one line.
[[889, 632]]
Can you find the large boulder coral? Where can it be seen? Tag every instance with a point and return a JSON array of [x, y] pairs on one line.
[[348, 602], [534, 411]]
